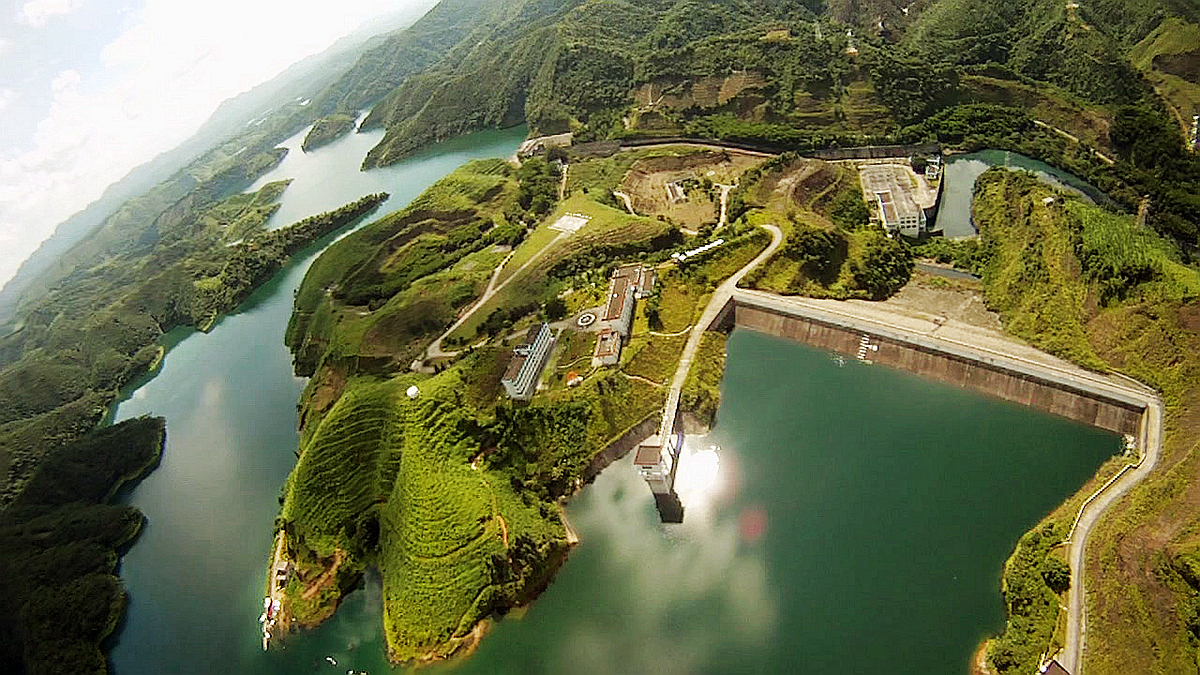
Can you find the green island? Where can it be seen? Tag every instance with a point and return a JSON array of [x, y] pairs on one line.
[[327, 130], [412, 458]]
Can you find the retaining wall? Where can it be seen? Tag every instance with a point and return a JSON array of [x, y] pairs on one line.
[[1041, 393]]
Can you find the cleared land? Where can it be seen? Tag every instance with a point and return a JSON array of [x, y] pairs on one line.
[[685, 189]]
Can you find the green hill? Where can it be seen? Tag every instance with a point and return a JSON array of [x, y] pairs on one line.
[[1090, 286]]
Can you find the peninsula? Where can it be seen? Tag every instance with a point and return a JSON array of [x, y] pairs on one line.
[[477, 356]]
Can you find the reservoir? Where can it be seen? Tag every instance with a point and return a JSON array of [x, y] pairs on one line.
[[855, 518], [954, 213]]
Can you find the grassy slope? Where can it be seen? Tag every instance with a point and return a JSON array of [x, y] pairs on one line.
[[388, 480], [442, 523], [1047, 279], [413, 269], [1173, 36], [607, 228]]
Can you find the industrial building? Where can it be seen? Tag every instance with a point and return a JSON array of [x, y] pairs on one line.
[[628, 283], [899, 196], [529, 357], [655, 461]]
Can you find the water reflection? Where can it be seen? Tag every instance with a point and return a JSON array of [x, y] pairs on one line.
[[689, 594], [698, 478]]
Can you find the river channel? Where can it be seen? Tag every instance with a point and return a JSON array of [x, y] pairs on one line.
[[954, 212], [854, 518]]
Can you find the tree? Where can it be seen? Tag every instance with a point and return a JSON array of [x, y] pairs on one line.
[[555, 308], [1056, 573]]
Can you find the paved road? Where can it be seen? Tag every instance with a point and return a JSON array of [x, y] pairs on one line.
[[719, 298], [983, 345], [1151, 444]]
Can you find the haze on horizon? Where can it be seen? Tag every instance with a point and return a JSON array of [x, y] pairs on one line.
[[91, 89]]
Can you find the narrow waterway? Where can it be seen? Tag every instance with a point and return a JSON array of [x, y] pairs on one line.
[[855, 518], [954, 212], [196, 575]]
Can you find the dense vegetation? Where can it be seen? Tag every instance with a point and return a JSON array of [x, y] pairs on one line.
[[63, 369], [1118, 79], [59, 541], [1090, 286], [327, 130], [786, 76]]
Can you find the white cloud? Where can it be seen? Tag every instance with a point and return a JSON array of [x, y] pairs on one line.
[[7, 96], [160, 80], [38, 12], [65, 82]]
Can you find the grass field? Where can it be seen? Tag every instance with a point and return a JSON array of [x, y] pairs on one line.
[[653, 357], [608, 230], [573, 354], [701, 393]]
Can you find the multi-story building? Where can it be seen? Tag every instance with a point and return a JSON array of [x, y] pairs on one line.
[[529, 357]]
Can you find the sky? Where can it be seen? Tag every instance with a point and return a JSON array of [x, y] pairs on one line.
[[90, 89]]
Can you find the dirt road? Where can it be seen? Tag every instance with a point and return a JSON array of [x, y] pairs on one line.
[[435, 348]]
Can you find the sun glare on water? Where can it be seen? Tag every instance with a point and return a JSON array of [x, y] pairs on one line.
[[698, 479]]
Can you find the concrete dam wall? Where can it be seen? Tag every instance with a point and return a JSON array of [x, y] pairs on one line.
[[926, 358]]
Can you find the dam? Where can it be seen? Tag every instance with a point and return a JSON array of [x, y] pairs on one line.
[[1065, 390]]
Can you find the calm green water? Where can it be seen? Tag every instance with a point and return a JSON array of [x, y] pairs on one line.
[[954, 213], [195, 576], [889, 506]]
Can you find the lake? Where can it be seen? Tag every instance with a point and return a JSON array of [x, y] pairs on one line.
[[854, 518]]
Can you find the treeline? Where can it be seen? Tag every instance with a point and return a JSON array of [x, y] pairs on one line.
[[59, 545], [254, 261]]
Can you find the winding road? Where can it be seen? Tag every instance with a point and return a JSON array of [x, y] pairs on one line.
[[434, 351], [1151, 444]]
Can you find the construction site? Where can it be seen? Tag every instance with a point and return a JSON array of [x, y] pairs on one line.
[[685, 189]]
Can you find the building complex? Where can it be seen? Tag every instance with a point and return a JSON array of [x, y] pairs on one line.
[[525, 369], [628, 283], [902, 201]]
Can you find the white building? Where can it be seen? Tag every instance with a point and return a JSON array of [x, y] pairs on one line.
[[525, 369], [655, 460]]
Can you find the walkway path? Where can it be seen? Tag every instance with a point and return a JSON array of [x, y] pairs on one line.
[[435, 348], [720, 298]]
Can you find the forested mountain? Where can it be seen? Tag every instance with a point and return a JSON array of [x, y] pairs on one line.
[[806, 74], [1104, 88]]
